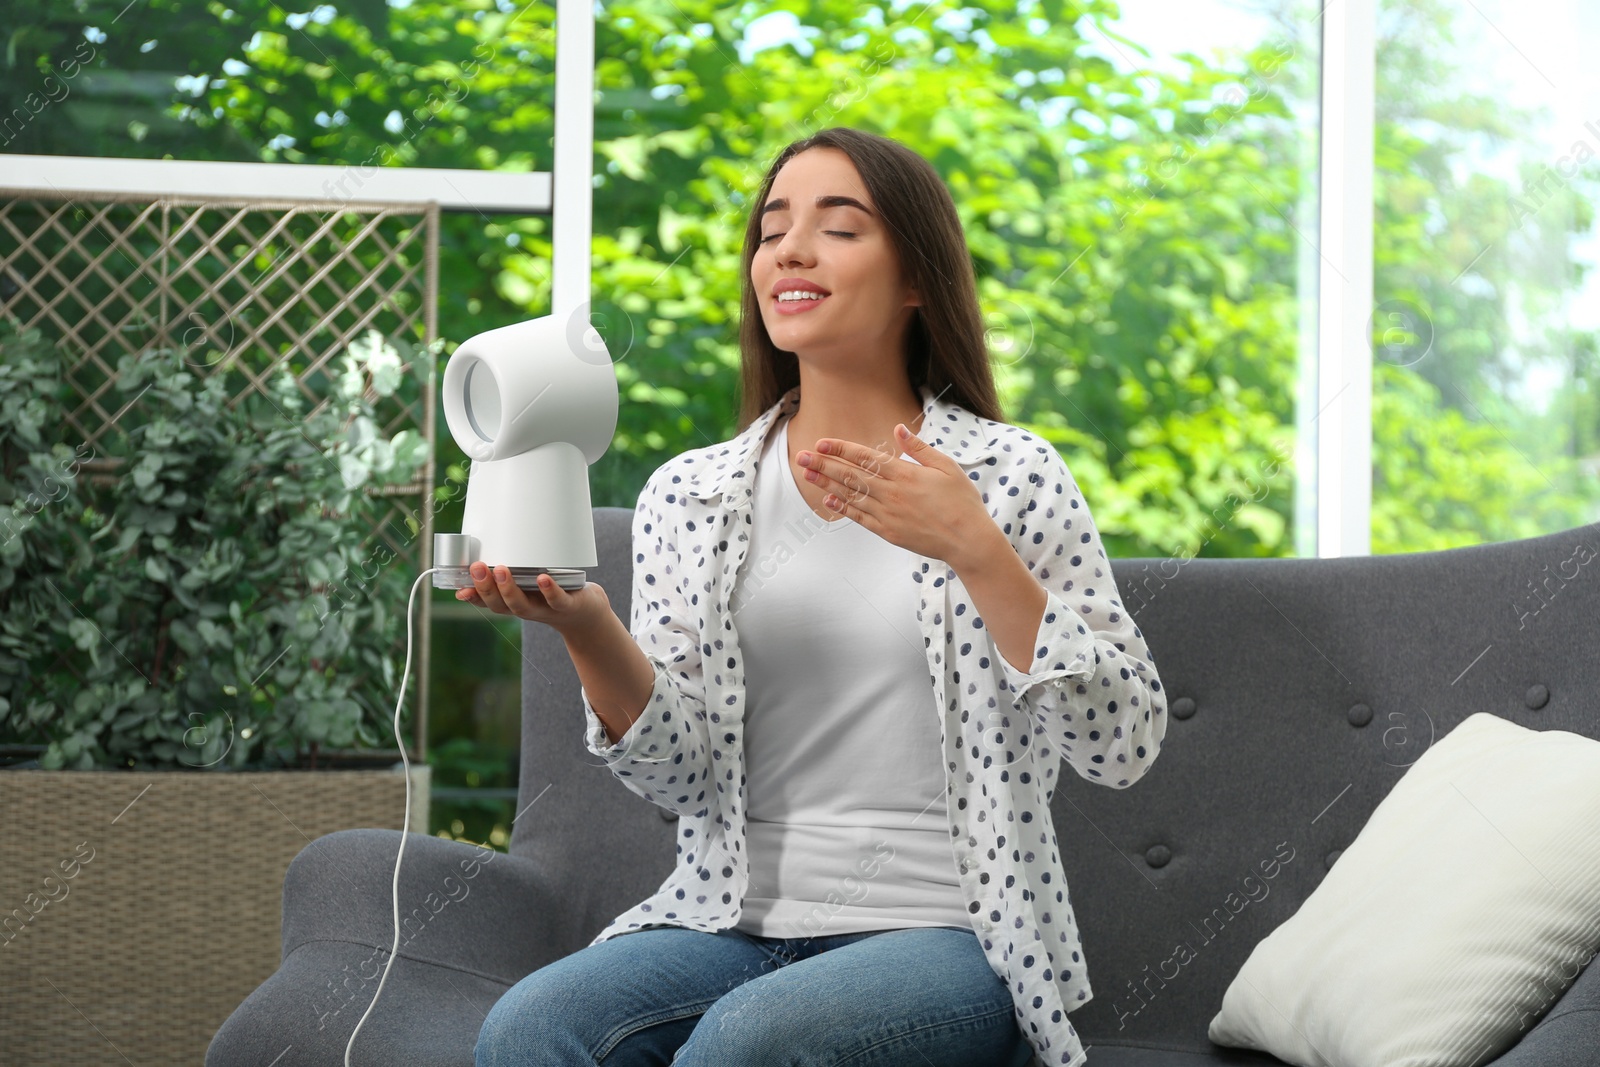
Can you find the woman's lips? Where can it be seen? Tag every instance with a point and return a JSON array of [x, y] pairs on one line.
[[795, 307]]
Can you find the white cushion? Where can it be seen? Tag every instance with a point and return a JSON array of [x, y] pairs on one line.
[[1467, 904]]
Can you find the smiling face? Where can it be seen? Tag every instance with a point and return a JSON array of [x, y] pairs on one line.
[[820, 227]]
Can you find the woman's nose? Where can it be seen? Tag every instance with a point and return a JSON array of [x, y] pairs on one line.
[[789, 254]]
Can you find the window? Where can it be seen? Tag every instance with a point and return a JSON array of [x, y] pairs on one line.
[[1486, 413]]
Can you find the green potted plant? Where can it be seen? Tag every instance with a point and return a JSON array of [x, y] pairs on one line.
[[201, 632]]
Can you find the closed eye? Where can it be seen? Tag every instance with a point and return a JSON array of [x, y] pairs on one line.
[[836, 233]]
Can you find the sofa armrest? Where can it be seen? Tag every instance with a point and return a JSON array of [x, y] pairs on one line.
[[473, 922], [461, 906], [1568, 1034]]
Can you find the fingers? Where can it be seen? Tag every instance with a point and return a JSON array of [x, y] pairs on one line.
[[555, 596], [469, 594], [487, 590], [484, 584], [496, 590], [512, 595]]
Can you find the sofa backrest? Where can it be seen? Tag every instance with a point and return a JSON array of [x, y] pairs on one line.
[[1298, 691]]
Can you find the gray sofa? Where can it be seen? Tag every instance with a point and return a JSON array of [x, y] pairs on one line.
[[1299, 692]]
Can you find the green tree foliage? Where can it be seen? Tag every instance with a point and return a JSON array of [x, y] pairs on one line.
[[219, 602], [1139, 239], [1470, 270]]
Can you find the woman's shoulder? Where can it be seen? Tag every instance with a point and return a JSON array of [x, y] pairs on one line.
[[973, 440], [686, 475]]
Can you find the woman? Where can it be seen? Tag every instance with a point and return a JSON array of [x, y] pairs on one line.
[[822, 678]]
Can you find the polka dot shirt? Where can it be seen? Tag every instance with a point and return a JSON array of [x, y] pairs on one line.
[[1091, 696]]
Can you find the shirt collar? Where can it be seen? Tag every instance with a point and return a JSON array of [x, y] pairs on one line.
[[730, 470]]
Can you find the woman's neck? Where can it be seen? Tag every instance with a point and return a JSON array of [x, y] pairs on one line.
[[853, 411]]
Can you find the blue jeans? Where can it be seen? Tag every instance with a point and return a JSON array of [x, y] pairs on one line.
[[917, 997]]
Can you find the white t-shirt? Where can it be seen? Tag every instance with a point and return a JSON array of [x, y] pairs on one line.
[[840, 838]]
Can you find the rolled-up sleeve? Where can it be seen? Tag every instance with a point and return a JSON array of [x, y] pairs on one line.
[[1092, 686], [637, 745], [664, 757]]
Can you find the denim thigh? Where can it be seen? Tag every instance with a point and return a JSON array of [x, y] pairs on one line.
[[916, 997], [628, 1001], [669, 995]]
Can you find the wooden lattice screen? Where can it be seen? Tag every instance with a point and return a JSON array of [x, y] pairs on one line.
[[252, 285]]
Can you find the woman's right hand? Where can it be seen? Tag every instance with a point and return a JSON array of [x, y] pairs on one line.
[[550, 604]]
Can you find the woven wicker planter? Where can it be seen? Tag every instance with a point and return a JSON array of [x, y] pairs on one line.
[[140, 909]]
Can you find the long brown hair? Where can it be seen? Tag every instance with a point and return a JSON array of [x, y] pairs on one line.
[[944, 345]]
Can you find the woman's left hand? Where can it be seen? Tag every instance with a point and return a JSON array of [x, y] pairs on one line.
[[929, 507]]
